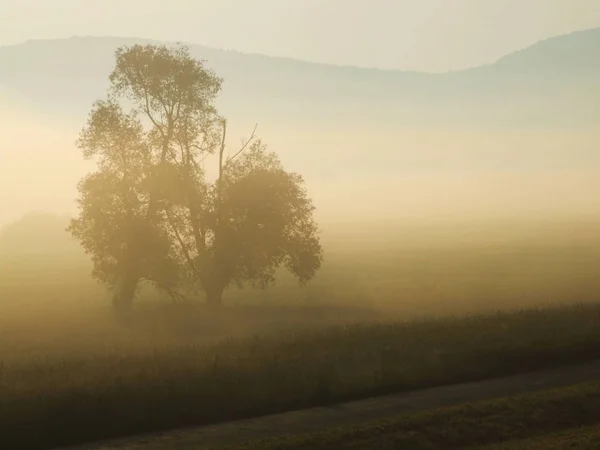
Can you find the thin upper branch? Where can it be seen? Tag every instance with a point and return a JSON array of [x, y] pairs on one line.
[[244, 146], [222, 149], [147, 102], [184, 248]]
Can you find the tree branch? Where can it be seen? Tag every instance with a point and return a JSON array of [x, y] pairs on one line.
[[184, 248], [245, 144], [174, 294], [147, 102], [222, 149]]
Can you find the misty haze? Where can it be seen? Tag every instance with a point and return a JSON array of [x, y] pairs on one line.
[[192, 235]]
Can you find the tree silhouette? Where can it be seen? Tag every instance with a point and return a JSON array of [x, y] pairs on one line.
[[149, 213]]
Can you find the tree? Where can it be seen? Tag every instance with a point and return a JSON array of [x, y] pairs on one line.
[[115, 223], [169, 94], [255, 218], [149, 212]]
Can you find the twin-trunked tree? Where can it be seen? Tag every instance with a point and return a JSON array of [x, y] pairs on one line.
[[149, 212]]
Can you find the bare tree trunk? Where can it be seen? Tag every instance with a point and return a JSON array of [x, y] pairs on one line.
[[125, 293], [214, 295]]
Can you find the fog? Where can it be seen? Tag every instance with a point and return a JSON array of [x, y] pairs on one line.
[[368, 173], [455, 228], [391, 202], [464, 192]]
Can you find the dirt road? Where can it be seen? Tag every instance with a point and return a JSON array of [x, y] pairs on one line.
[[353, 412]]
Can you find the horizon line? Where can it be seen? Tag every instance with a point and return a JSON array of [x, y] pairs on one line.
[[298, 60]]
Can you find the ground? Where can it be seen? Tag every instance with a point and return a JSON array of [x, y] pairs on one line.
[[243, 433]]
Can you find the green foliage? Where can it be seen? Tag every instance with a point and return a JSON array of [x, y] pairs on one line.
[[113, 225], [265, 220], [162, 81], [149, 212]]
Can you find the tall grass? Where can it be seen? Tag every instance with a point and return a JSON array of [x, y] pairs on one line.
[[69, 374], [51, 401], [547, 420]]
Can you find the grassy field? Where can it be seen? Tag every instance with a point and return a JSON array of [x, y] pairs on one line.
[[414, 270], [377, 319], [566, 418], [105, 394], [578, 438]]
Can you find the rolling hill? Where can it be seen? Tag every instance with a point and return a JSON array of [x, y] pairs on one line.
[[554, 82], [517, 136]]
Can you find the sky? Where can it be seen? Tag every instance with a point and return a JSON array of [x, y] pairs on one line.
[[423, 35]]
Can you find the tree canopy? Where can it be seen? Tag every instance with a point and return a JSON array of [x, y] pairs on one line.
[[149, 211]]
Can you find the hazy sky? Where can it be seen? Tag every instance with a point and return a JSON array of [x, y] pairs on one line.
[[430, 35]]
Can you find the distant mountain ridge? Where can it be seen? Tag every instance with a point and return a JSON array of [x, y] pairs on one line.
[[517, 136], [553, 82], [575, 51]]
